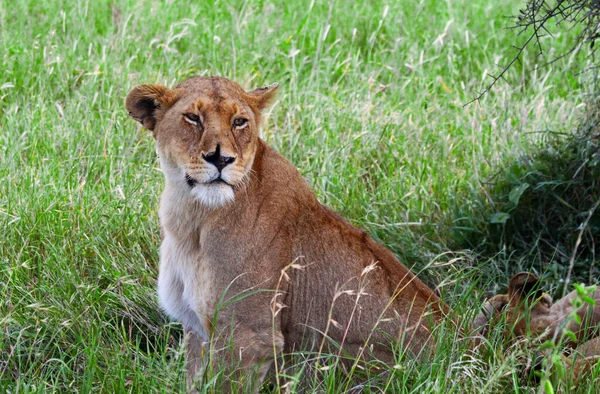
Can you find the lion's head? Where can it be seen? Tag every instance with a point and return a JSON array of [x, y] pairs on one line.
[[206, 132], [528, 309]]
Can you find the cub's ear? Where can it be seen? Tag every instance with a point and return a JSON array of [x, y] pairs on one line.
[[499, 302], [524, 285], [144, 100], [263, 97], [491, 308]]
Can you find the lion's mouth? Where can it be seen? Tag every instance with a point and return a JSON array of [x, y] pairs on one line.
[[218, 181], [193, 182]]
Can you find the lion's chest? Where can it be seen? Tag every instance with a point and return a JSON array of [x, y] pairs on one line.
[[185, 285]]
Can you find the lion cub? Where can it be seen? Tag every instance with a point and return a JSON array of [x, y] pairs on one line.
[[530, 312], [250, 260]]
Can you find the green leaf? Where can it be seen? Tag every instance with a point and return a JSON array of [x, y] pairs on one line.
[[548, 387], [559, 366], [580, 289], [591, 289], [571, 335], [547, 345], [515, 194], [499, 218], [588, 300]]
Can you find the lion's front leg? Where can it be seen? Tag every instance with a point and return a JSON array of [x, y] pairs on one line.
[[245, 357], [194, 359], [244, 345]]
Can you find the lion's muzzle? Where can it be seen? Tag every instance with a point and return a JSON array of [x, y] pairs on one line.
[[217, 159]]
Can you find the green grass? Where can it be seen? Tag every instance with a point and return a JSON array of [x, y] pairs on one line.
[[370, 110]]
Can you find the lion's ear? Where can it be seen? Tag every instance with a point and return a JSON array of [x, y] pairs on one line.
[[263, 97], [499, 302], [524, 285], [491, 308], [144, 100]]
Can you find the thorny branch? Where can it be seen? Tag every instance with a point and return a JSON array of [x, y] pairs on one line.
[[538, 15]]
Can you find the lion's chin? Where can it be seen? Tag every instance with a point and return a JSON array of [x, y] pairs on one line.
[[214, 194]]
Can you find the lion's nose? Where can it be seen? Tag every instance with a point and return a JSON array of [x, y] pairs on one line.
[[217, 159]]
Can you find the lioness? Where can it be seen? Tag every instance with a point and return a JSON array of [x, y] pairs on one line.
[[248, 253]]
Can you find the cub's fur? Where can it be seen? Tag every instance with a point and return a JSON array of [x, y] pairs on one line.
[[531, 313], [250, 256]]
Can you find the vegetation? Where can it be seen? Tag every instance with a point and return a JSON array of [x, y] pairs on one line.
[[371, 111]]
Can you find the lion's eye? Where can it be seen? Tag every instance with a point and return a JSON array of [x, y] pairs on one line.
[[192, 118], [240, 123]]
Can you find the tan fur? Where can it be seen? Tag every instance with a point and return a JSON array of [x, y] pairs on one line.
[[259, 261], [585, 357], [532, 313]]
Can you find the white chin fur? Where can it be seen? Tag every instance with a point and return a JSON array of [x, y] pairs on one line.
[[213, 195]]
